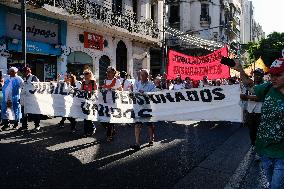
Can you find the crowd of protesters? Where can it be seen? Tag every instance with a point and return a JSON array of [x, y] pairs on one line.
[[264, 118]]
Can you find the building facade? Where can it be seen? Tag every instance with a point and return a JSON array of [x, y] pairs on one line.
[[217, 20], [102, 33]]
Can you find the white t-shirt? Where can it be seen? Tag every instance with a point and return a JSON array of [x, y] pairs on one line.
[[178, 86], [127, 84]]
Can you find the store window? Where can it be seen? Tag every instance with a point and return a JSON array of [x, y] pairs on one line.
[[77, 62]]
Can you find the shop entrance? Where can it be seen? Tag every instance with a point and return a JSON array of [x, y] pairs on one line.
[[77, 62], [43, 66]]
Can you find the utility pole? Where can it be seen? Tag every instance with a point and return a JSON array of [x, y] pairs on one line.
[[23, 24]]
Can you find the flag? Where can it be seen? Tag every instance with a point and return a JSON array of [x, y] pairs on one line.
[[260, 64]]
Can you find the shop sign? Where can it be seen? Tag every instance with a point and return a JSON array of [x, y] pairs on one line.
[[93, 41], [35, 47], [37, 30]]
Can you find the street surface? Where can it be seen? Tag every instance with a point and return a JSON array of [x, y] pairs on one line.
[[185, 155]]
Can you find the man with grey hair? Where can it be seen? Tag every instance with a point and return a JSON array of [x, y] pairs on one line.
[[11, 108], [144, 85]]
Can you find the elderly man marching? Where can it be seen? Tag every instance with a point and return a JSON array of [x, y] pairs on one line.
[[144, 85], [270, 135], [11, 108]]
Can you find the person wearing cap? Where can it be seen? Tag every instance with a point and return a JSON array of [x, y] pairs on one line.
[[270, 135], [28, 79], [110, 83], [11, 108], [253, 107], [144, 85]]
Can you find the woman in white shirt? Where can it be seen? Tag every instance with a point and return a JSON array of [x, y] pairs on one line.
[[178, 84]]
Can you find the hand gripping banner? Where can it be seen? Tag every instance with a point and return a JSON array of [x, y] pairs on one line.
[[197, 67], [213, 103]]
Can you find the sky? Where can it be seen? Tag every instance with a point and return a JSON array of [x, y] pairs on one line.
[[269, 14]]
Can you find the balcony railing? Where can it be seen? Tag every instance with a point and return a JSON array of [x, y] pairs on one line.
[[92, 10]]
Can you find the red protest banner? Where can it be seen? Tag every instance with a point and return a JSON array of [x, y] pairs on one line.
[[93, 41], [197, 67]]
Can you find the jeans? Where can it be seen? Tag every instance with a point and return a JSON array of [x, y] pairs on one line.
[[274, 172]]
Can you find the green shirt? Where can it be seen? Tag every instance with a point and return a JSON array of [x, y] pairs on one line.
[[270, 134]]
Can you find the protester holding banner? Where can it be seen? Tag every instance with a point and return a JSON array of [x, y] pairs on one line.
[[70, 81], [144, 85], [179, 85], [187, 83], [270, 135], [111, 83], [89, 85], [11, 108], [28, 78], [125, 83], [253, 108]]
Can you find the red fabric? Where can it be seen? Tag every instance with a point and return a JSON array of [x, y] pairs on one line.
[[197, 67], [277, 66], [105, 86], [88, 87]]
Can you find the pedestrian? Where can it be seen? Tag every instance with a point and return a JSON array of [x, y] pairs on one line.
[[157, 82], [111, 83], [188, 83], [125, 83], [270, 135], [142, 86], [178, 83], [70, 81], [11, 108], [89, 85], [28, 79], [253, 107]]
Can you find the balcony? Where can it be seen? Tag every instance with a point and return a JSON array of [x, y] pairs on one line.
[[95, 13], [205, 20]]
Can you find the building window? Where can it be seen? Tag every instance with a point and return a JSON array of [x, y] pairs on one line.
[[135, 6], [117, 6], [204, 10], [153, 13], [174, 18]]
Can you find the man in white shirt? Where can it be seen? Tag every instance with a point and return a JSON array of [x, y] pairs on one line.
[[144, 85]]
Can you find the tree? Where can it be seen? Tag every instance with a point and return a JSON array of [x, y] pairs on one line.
[[268, 49]]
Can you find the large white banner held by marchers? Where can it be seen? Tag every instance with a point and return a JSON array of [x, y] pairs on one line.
[[220, 103]]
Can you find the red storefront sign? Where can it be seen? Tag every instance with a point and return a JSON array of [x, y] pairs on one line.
[[197, 67], [93, 41]]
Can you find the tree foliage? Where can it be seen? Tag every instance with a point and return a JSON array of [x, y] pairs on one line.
[[268, 49]]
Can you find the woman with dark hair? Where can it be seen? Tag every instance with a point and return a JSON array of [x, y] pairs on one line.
[[178, 83], [70, 80], [111, 83], [188, 83]]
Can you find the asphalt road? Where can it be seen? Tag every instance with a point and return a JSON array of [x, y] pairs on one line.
[[185, 155]]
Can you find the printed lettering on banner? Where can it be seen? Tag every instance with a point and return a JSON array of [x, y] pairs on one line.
[[210, 103]]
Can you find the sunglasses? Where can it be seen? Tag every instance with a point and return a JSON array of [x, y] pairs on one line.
[[86, 73]]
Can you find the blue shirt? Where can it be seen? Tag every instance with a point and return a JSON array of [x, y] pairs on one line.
[[148, 86]]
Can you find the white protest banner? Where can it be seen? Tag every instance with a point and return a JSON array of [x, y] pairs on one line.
[[220, 103]]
